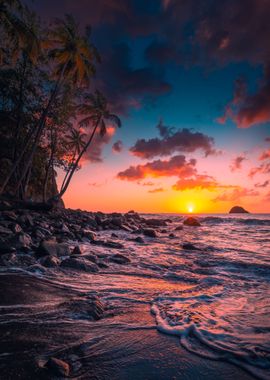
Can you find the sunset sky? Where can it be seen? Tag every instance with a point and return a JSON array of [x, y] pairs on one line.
[[190, 80]]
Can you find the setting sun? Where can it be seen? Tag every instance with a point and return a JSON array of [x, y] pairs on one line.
[[190, 208]]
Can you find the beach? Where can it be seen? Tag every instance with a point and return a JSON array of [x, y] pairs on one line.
[[189, 302]]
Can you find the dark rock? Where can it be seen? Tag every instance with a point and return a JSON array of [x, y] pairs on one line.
[[101, 264], [139, 239], [9, 215], [172, 235], [155, 222], [76, 251], [88, 234], [58, 367], [16, 228], [21, 241], [163, 231], [238, 210], [189, 246], [90, 257], [91, 308], [113, 235], [6, 248], [112, 244], [119, 259], [178, 228], [150, 232], [52, 248], [193, 222], [79, 264], [50, 261]]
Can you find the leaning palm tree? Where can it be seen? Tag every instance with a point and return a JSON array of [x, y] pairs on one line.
[[75, 143], [74, 59], [97, 114]]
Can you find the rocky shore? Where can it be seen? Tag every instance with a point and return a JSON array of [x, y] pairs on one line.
[[37, 240]]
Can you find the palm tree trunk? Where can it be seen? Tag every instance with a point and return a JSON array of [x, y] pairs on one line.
[[49, 166], [41, 125], [64, 188]]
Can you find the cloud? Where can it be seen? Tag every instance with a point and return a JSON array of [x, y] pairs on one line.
[[175, 166], [263, 184], [235, 195], [157, 190], [265, 155], [171, 141], [261, 169], [117, 146], [198, 181], [236, 163]]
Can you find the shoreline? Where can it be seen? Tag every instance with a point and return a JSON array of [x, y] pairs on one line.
[[76, 302]]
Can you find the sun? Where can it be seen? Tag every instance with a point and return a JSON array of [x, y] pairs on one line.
[[190, 208]]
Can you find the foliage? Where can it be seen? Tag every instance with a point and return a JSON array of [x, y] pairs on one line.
[[48, 116]]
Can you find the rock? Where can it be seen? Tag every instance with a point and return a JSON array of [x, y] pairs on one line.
[[109, 244], [58, 367], [126, 228], [92, 308], [65, 229], [79, 264], [9, 215], [189, 246], [139, 239], [193, 222], [91, 258], [21, 241], [113, 235], [238, 210], [101, 264], [16, 228], [150, 232], [172, 235], [88, 234], [76, 251], [50, 261], [155, 222], [6, 248], [52, 248], [178, 228], [37, 268], [119, 259], [26, 219], [117, 221]]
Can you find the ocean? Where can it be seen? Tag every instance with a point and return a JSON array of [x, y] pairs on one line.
[[192, 305]]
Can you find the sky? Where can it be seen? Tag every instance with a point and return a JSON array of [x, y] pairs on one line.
[[190, 81]]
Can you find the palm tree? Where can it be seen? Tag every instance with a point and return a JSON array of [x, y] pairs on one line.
[[75, 142], [97, 114], [20, 34], [74, 59]]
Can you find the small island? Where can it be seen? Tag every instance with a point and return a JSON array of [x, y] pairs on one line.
[[238, 210]]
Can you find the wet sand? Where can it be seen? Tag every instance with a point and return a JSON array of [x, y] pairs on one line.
[[37, 323]]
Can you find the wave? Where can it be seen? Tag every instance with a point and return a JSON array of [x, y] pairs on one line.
[[219, 328], [248, 221]]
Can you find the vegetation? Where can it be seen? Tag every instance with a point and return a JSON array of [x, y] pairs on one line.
[[48, 116]]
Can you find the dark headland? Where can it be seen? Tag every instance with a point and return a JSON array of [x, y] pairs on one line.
[[238, 210]]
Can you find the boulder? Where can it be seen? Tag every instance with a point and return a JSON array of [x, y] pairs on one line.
[[49, 261], [150, 232], [58, 367], [79, 264], [178, 228], [91, 308], [21, 241], [190, 247], [6, 248], [5, 231], [88, 234], [119, 259], [193, 222], [76, 251], [52, 248], [155, 222], [139, 239], [238, 210]]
